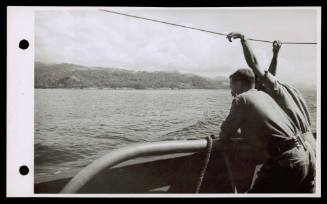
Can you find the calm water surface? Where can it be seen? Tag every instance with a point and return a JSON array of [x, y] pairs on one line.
[[73, 127]]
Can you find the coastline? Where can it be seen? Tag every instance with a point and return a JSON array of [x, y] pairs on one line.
[[128, 88]]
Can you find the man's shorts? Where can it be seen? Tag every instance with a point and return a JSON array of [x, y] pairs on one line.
[[290, 172]]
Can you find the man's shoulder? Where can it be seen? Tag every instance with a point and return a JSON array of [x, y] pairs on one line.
[[287, 89], [254, 96], [251, 93], [278, 85]]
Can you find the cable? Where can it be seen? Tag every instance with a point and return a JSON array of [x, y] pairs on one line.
[[193, 28], [205, 163], [173, 24]]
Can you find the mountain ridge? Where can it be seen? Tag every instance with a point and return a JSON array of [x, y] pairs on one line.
[[67, 75]]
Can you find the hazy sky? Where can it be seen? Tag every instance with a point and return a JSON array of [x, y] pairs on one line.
[[96, 38]]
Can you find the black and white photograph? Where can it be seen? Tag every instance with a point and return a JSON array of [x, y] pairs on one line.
[[184, 101]]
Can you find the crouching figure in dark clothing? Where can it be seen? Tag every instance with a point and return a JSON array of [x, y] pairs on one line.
[[289, 165]]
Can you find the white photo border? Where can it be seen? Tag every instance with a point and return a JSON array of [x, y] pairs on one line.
[[20, 104]]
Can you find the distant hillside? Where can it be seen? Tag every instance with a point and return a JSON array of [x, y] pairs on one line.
[[76, 76]]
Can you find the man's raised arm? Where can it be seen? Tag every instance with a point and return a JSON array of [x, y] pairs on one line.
[[248, 54], [273, 65]]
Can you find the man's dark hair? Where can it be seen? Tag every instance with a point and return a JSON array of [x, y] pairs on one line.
[[245, 76]]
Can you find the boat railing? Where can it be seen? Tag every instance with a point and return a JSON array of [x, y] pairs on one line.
[[141, 150]]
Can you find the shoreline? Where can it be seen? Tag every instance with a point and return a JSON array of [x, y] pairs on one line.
[[133, 88]]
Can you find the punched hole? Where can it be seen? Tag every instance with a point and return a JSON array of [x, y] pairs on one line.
[[23, 44], [23, 170]]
